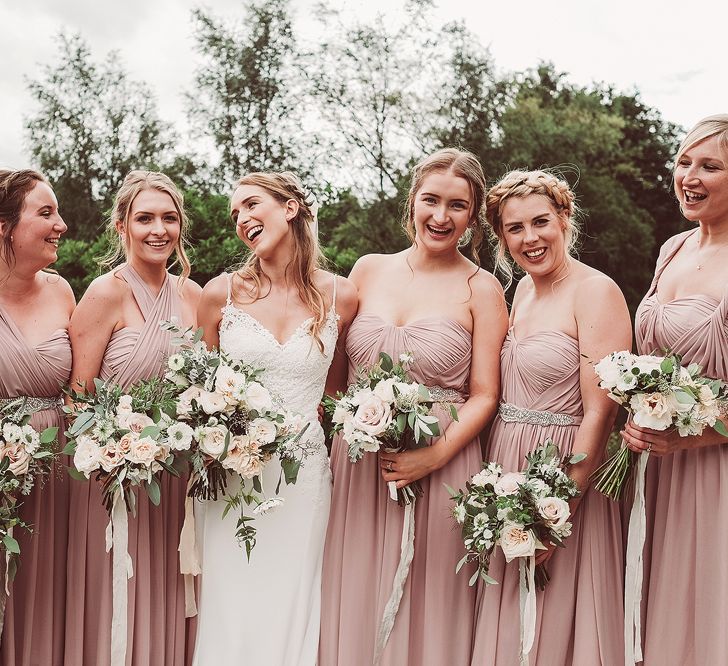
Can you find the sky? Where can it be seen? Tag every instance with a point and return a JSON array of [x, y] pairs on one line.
[[674, 54]]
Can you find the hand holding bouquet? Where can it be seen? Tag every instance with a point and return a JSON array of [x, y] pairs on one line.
[[26, 456], [235, 427], [659, 394], [385, 409]]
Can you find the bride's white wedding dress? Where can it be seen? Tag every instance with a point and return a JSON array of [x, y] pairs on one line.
[[266, 612]]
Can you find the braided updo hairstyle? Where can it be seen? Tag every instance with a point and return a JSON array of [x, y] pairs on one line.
[[521, 183], [459, 163], [307, 257]]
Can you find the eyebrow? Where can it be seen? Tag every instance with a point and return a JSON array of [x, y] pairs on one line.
[[432, 194], [535, 217], [146, 212]]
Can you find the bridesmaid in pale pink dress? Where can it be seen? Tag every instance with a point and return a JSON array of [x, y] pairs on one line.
[[565, 316], [686, 311], [35, 308], [451, 315], [116, 336]]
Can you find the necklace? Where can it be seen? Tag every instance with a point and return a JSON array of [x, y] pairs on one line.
[[700, 265]]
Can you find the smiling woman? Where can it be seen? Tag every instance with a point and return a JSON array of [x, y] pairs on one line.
[[116, 336]]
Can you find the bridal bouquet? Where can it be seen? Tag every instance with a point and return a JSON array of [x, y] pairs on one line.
[[518, 512], [658, 393], [385, 409], [234, 426], [26, 456], [124, 438]]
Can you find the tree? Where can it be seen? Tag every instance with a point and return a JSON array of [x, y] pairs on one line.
[[91, 127], [242, 98]]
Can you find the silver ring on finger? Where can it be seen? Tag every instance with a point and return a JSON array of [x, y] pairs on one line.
[[389, 466], [649, 448]]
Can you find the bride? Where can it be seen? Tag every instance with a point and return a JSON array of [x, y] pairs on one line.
[[282, 313]]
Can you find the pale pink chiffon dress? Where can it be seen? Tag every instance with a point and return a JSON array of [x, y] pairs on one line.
[[579, 614], [156, 610], [434, 625], [685, 603], [35, 613]]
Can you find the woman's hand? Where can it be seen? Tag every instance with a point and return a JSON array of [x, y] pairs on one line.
[[410, 466], [655, 442]]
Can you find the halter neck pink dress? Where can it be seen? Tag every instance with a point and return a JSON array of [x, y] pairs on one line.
[[686, 577], [35, 612], [434, 625], [156, 621], [579, 614]]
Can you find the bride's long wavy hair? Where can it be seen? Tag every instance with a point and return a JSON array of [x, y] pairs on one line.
[[247, 280]]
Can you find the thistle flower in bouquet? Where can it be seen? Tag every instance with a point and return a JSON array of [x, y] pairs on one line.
[[26, 458], [385, 409], [516, 511], [236, 427], [659, 394], [125, 439]]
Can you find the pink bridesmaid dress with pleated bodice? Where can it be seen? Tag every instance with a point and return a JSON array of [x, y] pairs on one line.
[[35, 617], [434, 625], [579, 614], [158, 634], [685, 598]]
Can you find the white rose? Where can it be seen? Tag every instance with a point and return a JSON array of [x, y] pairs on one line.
[[651, 410], [484, 477], [31, 438], [134, 421], [110, 456], [124, 443], [212, 403], [143, 451], [12, 432], [258, 397], [408, 391], [229, 383], [244, 457], [212, 440], [553, 510], [516, 541], [18, 456], [124, 404], [180, 436], [609, 372], [262, 430], [508, 483], [184, 401], [647, 363], [384, 390], [372, 416], [87, 457], [341, 413]]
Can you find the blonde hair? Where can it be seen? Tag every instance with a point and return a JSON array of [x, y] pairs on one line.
[[307, 257], [716, 125], [462, 164], [520, 183], [135, 183]]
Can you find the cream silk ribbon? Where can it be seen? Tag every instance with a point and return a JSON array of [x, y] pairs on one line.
[[527, 604], [189, 560], [634, 571], [407, 551], [6, 592], [117, 537]]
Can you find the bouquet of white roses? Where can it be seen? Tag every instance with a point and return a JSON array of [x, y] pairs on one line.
[[385, 409], [658, 393], [26, 457], [235, 426], [125, 438], [518, 512]]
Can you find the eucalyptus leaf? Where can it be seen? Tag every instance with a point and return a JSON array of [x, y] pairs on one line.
[[154, 492], [48, 435], [460, 564], [75, 474], [577, 458], [11, 545], [720, 428], [152, 431]]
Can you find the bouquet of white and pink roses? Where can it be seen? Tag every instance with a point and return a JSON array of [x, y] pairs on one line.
[[385, 409], [518, 512], [125, 438], [235, 426], [26, 457], [659, 394]]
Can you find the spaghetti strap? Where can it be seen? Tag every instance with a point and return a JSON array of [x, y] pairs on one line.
[[229, 288]]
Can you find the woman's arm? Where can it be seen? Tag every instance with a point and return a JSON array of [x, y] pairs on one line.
[[490, 325], [92, 323], [347, 303], [209, 310]]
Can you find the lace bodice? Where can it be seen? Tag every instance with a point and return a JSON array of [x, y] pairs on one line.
[[295, 371]]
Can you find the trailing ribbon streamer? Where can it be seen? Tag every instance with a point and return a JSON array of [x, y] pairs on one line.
[[527, 603], [634, 571], [407, 551], [189, 560], [5, 592], [117, 537]]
